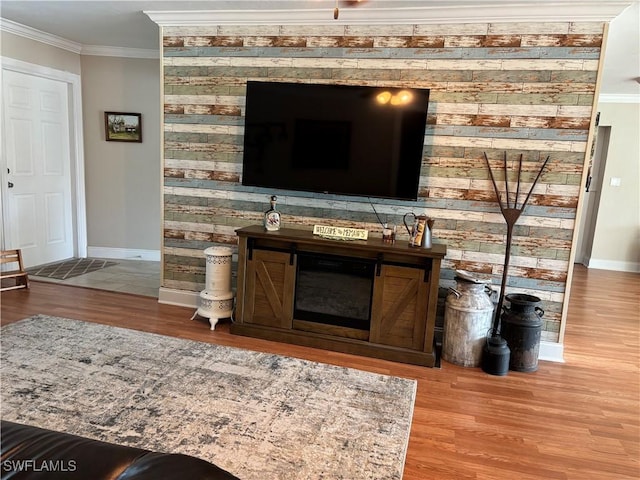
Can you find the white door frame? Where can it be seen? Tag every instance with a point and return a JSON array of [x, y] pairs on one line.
[[78, 201], [591, 204]]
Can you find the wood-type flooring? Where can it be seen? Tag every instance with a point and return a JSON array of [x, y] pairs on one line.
[[574, 420]]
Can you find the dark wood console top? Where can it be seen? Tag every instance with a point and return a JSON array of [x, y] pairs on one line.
[[376, 245]]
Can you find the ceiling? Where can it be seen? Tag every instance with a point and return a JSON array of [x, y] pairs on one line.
[[123, 24]]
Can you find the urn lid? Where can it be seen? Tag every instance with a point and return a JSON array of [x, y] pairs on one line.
[[473, 277]]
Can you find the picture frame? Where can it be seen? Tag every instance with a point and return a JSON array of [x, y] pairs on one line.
[[123, 127]]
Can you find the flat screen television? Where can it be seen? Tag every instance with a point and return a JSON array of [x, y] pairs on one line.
[[351, 140]]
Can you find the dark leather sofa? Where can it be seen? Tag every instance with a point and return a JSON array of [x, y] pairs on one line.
[[34, 453]]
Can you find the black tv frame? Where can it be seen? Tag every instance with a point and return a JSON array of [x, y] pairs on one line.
[[337, 139]]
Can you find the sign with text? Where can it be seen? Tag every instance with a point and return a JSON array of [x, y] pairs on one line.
[[342, 233]]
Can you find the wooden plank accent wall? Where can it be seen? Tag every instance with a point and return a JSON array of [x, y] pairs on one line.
[[518, 88]]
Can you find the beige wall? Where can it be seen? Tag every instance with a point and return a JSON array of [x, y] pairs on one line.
[[38, 53], [122, 179], [616, 242]]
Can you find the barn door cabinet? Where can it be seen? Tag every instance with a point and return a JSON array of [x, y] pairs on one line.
[[396, 287]]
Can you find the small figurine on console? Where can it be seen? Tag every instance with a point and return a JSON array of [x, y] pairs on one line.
[[272, 216]]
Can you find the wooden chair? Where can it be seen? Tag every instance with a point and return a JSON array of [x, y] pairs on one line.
[[20, 276]]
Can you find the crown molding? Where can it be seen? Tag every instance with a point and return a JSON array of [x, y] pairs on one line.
[[39, 36], [64, 44], [619, 98], [103, 51], [498, 12]]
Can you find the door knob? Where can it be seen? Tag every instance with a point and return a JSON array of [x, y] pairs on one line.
[[10, 184]]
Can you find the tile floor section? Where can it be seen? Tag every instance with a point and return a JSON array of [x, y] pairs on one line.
[[69, 268], [140, 277]]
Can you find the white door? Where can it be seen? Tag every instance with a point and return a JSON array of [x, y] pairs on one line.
[[37, 149]]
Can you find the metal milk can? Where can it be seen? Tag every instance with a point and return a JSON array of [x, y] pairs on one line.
[[468, 317], [521, 327]]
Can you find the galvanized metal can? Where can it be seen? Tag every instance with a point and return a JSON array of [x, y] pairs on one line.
[[467, 319]]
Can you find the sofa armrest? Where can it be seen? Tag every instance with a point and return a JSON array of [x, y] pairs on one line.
[[36, 453]]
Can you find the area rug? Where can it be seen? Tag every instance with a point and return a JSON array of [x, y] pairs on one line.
[[69, 268], [259, 416]]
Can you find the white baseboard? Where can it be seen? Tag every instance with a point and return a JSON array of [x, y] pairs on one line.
[[124, 253], [551, 352], [614, 265], [181, 298]]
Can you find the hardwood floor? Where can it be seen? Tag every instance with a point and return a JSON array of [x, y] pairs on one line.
[[574, 420]]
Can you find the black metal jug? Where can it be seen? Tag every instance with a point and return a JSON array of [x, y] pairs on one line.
[[495, 356], [521, 326]]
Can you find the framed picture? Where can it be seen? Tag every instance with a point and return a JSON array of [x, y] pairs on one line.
[[123, 127]]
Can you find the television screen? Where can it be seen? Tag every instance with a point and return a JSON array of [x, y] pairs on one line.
[[353, 140]]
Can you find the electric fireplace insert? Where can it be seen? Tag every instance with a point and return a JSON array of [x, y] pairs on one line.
[[334, 290]]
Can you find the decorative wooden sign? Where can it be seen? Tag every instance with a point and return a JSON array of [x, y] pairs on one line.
[[340, 233]]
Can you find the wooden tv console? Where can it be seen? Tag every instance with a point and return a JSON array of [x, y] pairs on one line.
[[403, 298]]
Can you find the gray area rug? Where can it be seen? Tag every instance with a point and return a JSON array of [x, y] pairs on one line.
[[73, 267], [260, 416]]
